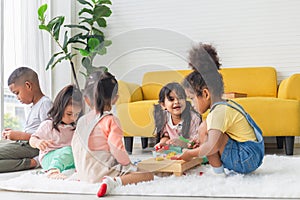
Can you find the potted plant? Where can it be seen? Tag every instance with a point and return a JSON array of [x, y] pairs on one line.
[[90, 38]]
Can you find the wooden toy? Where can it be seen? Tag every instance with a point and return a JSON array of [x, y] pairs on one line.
[[177, 167]]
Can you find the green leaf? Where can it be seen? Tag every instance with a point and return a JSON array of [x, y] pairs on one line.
[[101, 22], [102, 51], [65, 44], [93, 43], [85, 10], [107, 43], [41, 13], [77, 26], [44, 27], [104, 2], [85, 75], [53, 21], [84, 52], [90, 21], [69, 56], [58, 61], [101, 11], [85, 2], [77, 39], [56, 28], [86, 62], [52, 59], [97, 32]]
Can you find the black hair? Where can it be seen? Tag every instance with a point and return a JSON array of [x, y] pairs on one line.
[[195, 82], [207, 51], [23, 74], [203, 63], [67, 96], [160, 115], [89, 88], [106, 91]]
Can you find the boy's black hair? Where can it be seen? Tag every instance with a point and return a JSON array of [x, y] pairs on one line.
[[106, 90], [67, 96], [22, 74], [160, 115]]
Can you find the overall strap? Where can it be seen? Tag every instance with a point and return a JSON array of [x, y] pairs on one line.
[[84, 135], [239, 108]]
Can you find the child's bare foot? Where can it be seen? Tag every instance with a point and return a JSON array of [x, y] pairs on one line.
[[55, 174]]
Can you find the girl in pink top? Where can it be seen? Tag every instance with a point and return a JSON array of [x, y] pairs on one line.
[[97, 144], [53, 137], [174, 116]]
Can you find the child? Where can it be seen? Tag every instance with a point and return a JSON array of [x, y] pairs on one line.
[[233, 142], [53, 137], [19, 155], [174, 117], [97, 144]]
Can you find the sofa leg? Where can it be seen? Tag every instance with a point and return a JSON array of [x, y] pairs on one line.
[[289, 145], [280, 141], [128, 144], [144, 142]]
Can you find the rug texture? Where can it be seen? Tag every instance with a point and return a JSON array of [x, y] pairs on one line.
[[278, 177]]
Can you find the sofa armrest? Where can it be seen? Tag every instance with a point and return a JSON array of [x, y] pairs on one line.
[[129, 92], [289, 88]]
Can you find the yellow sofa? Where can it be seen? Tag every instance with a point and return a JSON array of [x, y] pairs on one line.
[[276, 111]]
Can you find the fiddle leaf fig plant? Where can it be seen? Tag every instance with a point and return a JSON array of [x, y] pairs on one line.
[[89, 38]]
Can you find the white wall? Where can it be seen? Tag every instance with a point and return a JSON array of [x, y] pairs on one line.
[[150, 35]]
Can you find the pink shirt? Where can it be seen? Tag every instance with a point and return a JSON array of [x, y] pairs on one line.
[[59, 139], [107, 136], [174, 131]]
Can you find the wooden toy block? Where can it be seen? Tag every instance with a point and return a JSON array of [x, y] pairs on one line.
[[177, 167]]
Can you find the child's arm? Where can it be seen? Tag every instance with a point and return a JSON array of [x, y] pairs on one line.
[[38, 143], [209, 147], [9, 134]]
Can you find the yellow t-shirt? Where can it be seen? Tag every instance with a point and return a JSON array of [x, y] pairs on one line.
[[230, 121]]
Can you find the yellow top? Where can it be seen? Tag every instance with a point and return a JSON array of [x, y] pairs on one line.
[[230, 121]]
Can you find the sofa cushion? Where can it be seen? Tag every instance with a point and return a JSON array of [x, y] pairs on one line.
[[253, 81], [276, 117], [136, 118], [154, 81], [289, 88]]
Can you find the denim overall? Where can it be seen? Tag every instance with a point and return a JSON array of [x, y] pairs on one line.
[[243, 157]]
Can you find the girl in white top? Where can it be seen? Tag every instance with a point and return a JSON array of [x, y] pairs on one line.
[[175, 117]]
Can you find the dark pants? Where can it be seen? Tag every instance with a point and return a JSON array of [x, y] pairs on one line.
[[16, 156]]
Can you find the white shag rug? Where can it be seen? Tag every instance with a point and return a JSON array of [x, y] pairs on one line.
[[278, 177]]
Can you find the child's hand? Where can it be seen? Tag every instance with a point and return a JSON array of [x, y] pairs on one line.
[[9, 134], [194, 143], [185, 155], [159, 146], [43, 144]]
